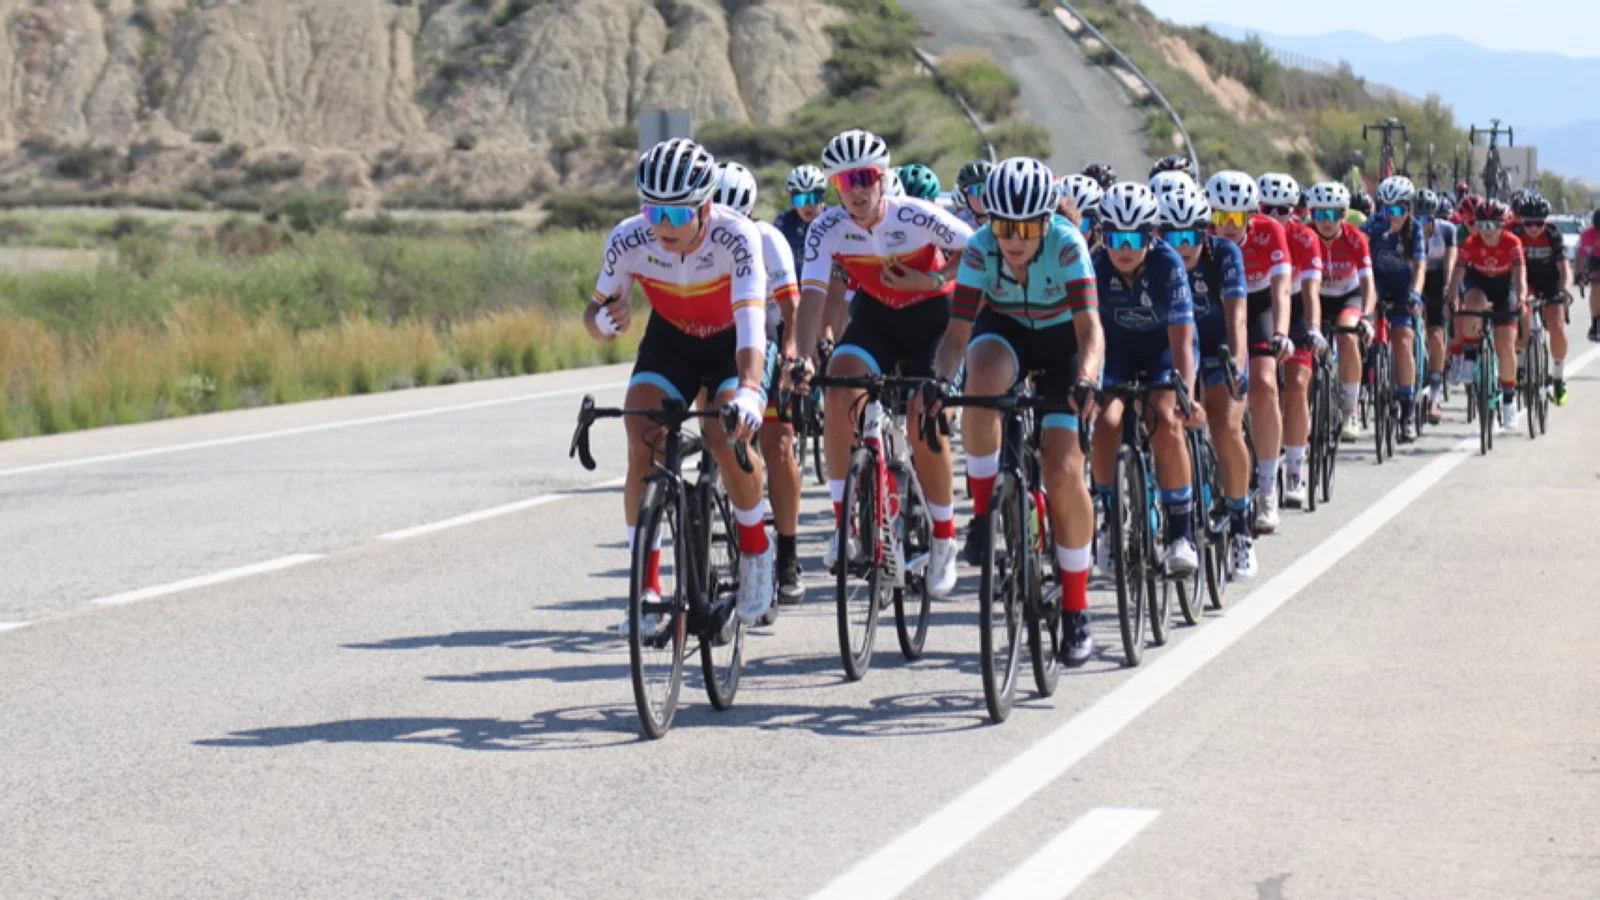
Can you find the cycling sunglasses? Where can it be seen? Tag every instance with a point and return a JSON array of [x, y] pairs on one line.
[[1126, 240], [809, 198], [1025, 229], [1236, 219], [1183, 237], [857, 178], [1533, 223], [973, 190], [1490, 225], [676, 216], [1327, 215], [1277, 210], [1395, 211]]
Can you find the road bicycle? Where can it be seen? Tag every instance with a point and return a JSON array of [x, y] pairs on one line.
[[1387, 128], [885, 532], [1483, 392], [689, 525], [1533, 369], [1018, 571], [804, 410], [1496, 180], [1326, 423]]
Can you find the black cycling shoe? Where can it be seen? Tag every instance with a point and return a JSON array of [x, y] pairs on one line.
[[977, 546], [1594, 331], [1079, 647], [790, 590], [1408, 432]]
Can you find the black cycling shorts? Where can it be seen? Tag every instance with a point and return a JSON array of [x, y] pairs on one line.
[[1498, 290], [1336, 305], [1433, 297], [1050, 353], [1258, 323], [887, 339], [681, 364]]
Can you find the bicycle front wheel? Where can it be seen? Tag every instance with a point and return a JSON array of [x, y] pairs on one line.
[[722, 636], [657, 621], [1128, 561], [1189, 588], [1001, 589], [913, 605], [860, 586], [1046, 623]]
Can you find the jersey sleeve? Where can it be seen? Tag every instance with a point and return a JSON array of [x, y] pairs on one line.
[[944, 230], [1231, 260], [1083, 291], [1180, 300], [1363, 249], [1451, 238], [1279, 259], [1517, 255], [1307, 251], [817, 267], [1419, 243], [616, 274], [779, 261], [972, 277]]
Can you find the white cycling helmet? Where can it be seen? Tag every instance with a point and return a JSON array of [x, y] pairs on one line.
[[1185, 208], [1020, 188], [736, 187], [678, 172], [1169, 180], [1233, 191], [1328, 195], [1129, 206], [806, 180], [892, 185], [1084, 191], [854, 149], [1397, 189], [1278, 189]]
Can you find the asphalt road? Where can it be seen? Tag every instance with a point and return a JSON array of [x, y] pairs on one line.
[[1085, 110], [1402, 705]]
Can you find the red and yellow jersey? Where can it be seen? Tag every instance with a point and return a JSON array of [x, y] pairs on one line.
[[1266, 254], [1494, 262], [698, 291], [915, 234]]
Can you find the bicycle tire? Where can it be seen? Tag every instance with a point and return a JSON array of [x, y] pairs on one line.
[[1544, 383], [1319, 424], [913, 605], [1218, 558], [1330, 456], [815, 425], [1044, 617], [721, 661], [1381, 408], [1002, 586], [1190, 601], [1127, 516], [1158, 587], [1485, 387], [859, 592], [657, 677]]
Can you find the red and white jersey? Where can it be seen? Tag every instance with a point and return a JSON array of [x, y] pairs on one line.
[[1346, 260], [1266, 254], [782, 279], [1496, 261], [916, 234], [698, 292], [1305, 252]]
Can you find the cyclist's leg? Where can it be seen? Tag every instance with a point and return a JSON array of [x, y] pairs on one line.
[[1055, 351], [1507, 319], [1402, 335], [992, 367], [1434, 299], [783, 469], [1266, 416], [1174, 474], [917, 335], [1107, 435], [662, 371], [861, 351], [1296, 395], [1555, 322], [1225, 419]]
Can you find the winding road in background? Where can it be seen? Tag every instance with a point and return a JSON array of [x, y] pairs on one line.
[[362, 648], [1084, 108]]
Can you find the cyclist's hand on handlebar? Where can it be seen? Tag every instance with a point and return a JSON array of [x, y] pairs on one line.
[[1314, 335], [1282, 347], [800, 372], [1085, 401], [1365, 326], [934, 393], [614, 316], [749, 406]]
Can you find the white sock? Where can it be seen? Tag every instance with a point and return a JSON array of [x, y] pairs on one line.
[[1557, 368], [1073, 559], [631, 532], [1295, 457], [1435, 392], [939, 513], [983, 466], [1351, 393], [1269, 474], [749, 518], [836, 490]]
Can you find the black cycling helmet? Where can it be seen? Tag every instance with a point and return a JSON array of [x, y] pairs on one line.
[[973, 173], [1532, 205], [1101, 173], [1426, 203], [1173, 163], [1361, 202]]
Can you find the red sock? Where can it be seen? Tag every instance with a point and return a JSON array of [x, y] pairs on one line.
[[1075, 591], [753, 539], [652, 572], [838, 514], [944, 530], [1508, 385], [980, 489], [1457, 345]]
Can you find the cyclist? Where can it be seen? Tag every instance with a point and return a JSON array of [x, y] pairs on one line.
[[920, 181], [1102, 173], [1589, 265], [700, 267], [1085, 194], [736, 189], [902, 254], [1491, 267], [1026, 298], [1175, 163], [1399, 268], [1149, 327], [1440, 238], [1279, 194], [1268, 274], [1360, 209], [1348, 295], [969, 192], [1165, 182], [807, 188], [1544, 251], [1216, 283]]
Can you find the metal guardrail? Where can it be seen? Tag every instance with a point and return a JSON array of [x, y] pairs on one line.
[[1138, 73], [944, 84]]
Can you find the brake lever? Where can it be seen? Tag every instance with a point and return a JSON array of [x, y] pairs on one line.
[[741, 449], [580, 437]]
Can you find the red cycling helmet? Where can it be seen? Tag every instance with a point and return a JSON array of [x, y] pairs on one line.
[[1491, 211]]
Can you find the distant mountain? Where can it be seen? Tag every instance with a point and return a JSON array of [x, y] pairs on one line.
[[1539, 94]]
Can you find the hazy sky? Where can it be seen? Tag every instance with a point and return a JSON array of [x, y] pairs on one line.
[[1559, 26]]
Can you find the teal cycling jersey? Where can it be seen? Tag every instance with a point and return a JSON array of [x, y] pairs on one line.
[[1060, 279]]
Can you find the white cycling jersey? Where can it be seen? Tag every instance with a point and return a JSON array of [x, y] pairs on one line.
[[782, 279], [721, 284], [916, 234]]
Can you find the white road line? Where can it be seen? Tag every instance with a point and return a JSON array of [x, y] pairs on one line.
[[12, 626], [490, 513], [199, 581], [303, 429], [936, 838], [1072, 856]]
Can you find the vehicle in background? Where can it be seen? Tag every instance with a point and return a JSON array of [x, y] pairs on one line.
[[1571, 228]]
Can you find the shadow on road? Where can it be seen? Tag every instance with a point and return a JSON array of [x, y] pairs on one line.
[[557, 641]]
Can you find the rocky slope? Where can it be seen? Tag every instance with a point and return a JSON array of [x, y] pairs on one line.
[[207, 97]]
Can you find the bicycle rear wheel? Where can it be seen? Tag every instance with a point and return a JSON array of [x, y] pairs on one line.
[[722, 637], [1331, 438], [1382, 400], [1544, 383], [1002, 586], [1043, 610], [1128, 562], [655, 656], [1157, 586], [814, 424], [1190, 601], [1486, 389], [860, 586], [1319, 425], [913, 605]]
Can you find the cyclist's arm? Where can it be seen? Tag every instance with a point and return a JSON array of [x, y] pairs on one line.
[[1281, 302], [817, 277], [965, 304], [1236, 308], [1369, 295], [1181, 338], [1311, 294], [1458, 273], [1565, 271], [749, 299], [1091, 343], [1519, 283], [1419, 275]]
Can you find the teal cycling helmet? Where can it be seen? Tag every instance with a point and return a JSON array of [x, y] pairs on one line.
[[920, 181]]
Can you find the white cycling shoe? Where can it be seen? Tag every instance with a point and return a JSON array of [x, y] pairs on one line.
[[755, 585], [1244, 558], [942, 567], [1267, 514]]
